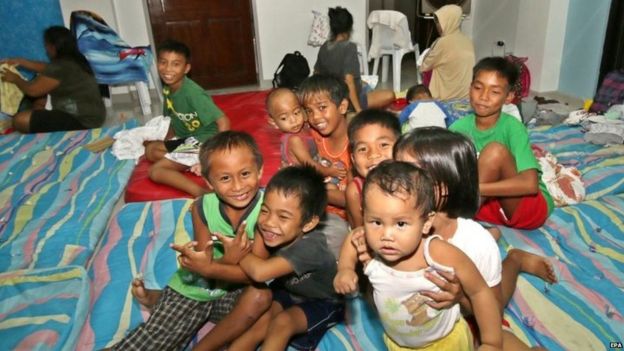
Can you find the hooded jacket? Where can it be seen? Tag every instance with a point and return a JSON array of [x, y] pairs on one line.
[[451, 57]]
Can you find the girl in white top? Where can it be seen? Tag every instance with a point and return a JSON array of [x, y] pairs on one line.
[[398, 203]]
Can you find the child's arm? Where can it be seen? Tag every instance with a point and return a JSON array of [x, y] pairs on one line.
[[302, 155], [354, 205], [484, 302], [223, 123], [336, 197], [34, 66], [262, 269], [346, 280]]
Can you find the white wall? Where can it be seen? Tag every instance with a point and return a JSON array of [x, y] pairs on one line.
[[493, 21], [283, 26]]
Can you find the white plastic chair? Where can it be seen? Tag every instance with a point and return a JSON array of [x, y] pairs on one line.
[[391, 36]]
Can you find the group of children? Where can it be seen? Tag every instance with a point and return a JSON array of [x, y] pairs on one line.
[[270, 266]]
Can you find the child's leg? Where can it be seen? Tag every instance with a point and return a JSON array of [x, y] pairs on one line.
[[155, 150], [284, 326], [254, 335], [512, 343], [21, 121], [250, 306], [146, 297], [380, 98], [495, 164], [518, 261], [168, 172], [171, 325]]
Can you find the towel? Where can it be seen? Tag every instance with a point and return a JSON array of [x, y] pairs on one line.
[[129, 143], [390, 31], [10, 94]]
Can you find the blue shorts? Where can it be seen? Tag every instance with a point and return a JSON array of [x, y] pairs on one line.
[[364, 95], [321, 314]]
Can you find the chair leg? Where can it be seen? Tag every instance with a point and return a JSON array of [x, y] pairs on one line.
[[416, 56], [397, 56], [375, 65], [144, 98], [384, 68]]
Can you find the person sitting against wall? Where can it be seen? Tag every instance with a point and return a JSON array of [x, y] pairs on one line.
[[450, 58], [67, 78]]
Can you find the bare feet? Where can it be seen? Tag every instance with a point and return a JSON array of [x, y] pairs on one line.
[[495, 232], [146, 297], [536, 265]]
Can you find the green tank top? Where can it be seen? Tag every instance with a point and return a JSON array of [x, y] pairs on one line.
[[193, 285]]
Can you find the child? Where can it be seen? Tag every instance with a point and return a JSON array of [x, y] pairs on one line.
[[193, 115], [398, 207], [301, 266], [297, 145], [372, 134], [509, 175], [418, 93], [325, 101], [450, 159], [208, 283]]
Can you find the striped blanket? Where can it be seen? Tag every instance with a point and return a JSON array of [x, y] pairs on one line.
[[56, 197]]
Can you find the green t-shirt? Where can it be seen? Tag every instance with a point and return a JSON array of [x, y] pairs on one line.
[[513, 134], [77, 93], [194, 286], [192, 111]]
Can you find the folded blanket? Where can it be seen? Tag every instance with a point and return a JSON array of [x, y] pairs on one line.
[[129, 143]]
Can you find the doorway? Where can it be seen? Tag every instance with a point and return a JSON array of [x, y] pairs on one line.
[[219, 34]]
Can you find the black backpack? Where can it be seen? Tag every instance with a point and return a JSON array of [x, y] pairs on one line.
[[291, 71]]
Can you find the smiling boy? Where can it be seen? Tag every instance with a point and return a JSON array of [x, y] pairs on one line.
[[192, 112], [509, 175]]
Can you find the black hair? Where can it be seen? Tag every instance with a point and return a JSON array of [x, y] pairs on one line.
[[305, 182], [451, 160], [501, 66], [170, 45], [331, 85], [381, 118], [66, 46], [227, 140], [395, 177], [273, 93], [340, 21], [415, 90]]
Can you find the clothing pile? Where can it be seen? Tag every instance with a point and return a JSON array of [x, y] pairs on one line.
[[129, 143], [607, 129]]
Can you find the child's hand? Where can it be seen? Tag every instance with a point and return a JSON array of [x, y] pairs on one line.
[[346, 281], [335, 172], [196, 169], [234, 249], [9, 76], [194, 261], [358, 240], [451, 290]]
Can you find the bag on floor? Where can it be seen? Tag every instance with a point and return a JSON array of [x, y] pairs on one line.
[[291, 71]]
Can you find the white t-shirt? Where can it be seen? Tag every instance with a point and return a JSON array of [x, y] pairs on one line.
[[479, 245], [393, 288]]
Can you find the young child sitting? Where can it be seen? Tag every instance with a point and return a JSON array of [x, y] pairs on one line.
[[418, 92], [209, 280], [325, 100], [372, 134], [451, 161], [510, 183], [301, 266], [297, 144], [398, 204], [194, 117]]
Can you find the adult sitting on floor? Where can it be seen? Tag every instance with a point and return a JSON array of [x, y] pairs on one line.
[[68, 79]]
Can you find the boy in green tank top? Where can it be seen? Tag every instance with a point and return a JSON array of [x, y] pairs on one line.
[[210, 281], [194, 118]]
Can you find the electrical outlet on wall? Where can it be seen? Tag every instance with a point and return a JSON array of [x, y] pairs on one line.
[[498, 48]]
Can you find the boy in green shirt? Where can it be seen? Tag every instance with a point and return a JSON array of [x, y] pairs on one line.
[[510, 184], [193, 115], [210, 281]]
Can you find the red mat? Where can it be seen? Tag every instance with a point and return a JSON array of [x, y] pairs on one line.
[[247, 113]]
